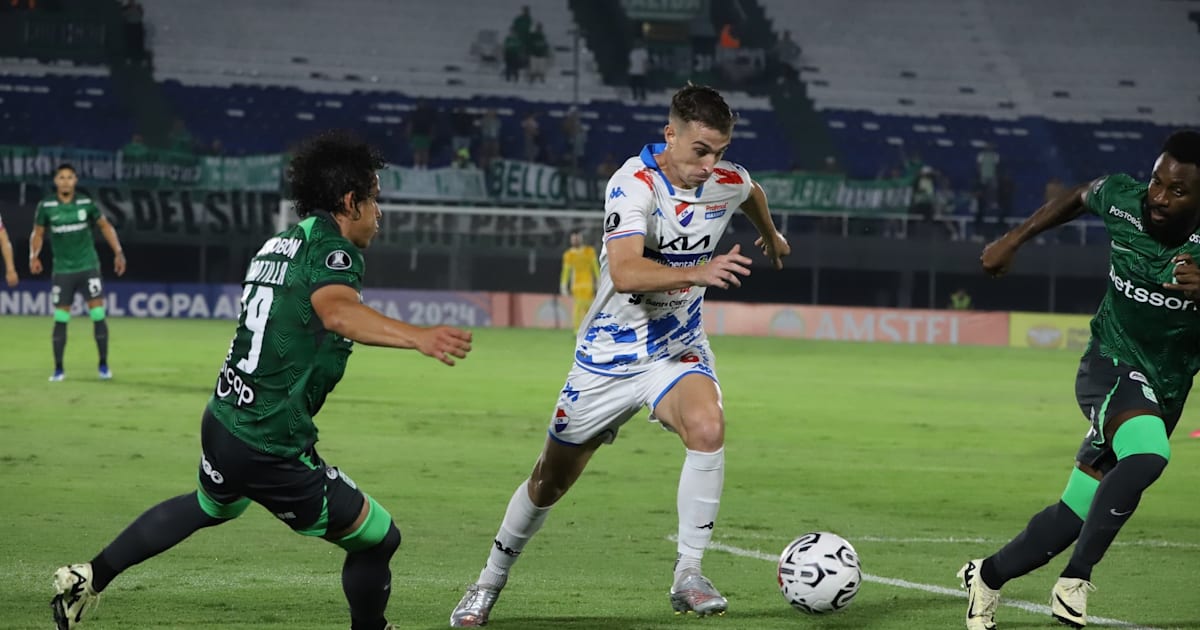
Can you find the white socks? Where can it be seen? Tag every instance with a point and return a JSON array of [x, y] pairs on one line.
[[522, 520], [698, 500]]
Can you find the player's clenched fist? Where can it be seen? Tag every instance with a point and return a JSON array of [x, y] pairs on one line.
[[1186, 277], [723, 271], [998, 255], [444, 343]]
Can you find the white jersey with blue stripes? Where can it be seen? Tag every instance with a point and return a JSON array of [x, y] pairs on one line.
[[624, 333]]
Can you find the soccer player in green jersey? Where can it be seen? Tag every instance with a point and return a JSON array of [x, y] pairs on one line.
[[301, 313], [1133, 378], [10, 270], [70, 219]]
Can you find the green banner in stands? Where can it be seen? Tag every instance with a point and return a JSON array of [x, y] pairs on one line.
[[665, 10], [815, 192], [443, 184], [528, 183], [146, 169]]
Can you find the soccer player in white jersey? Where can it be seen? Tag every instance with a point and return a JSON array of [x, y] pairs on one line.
[[642, 343]]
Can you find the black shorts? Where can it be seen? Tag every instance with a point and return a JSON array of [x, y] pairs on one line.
[[310, 496], [64, 286], [1104, 389]]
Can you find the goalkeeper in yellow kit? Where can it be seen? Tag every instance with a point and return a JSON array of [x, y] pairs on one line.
[[580, 269]]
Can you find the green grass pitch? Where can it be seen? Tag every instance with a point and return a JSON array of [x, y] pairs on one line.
[[923, 457]]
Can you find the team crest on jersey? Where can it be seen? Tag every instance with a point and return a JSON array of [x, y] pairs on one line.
[[82, 215], [685, 213], [560, 420], [338, 260]]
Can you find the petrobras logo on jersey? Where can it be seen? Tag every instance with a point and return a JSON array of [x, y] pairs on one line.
[[715, 211], [230, 383], [1146, 296]]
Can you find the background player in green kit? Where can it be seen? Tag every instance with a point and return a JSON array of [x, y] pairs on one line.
[[70, 219], [301, 313], [1133, 378]]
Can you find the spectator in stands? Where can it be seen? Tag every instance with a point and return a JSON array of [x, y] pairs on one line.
[[462, 158], [135, 150], [539, 54], [420, 133], [639, 60], [522, 25], [924, 199], [788, 54], [180, 140], [531, 131], [728, 38], [135, 31], [606, 168], [216, 148], [960, 300], [514, 56], [987, 162], [1005, 188], [462, 126], [831, 166], [489, 133], [576, 134], [912, 163]]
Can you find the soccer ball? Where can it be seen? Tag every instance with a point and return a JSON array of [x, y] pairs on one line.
[[819, 573]]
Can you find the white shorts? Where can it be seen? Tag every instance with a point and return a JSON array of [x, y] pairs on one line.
[[592, 404]]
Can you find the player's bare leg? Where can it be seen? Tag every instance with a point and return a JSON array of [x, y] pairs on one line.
[[556, 470], [692, 407]]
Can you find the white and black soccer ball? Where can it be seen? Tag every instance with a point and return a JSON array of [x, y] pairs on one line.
[[819, 573]]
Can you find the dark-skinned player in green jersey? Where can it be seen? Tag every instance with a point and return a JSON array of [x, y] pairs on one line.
[[1133, 378], [69, 219], [301, 313]]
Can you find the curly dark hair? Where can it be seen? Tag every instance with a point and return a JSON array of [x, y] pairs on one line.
[[327, 166], [1184, 145], [704, 105]]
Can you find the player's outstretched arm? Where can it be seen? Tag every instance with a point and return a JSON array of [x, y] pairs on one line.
[[997, 256], [35, 249], [10, 269], [633, 273], [110, 236], [340, 311], [774, 245]]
